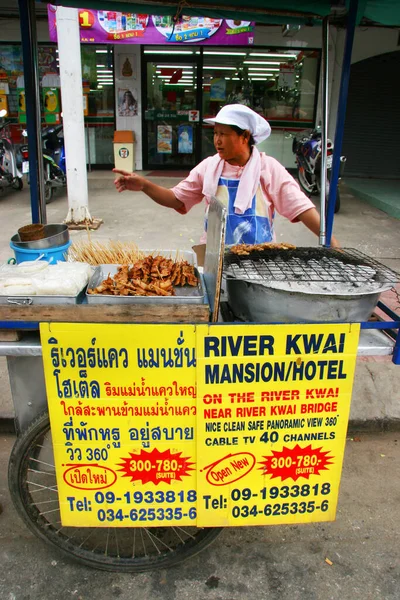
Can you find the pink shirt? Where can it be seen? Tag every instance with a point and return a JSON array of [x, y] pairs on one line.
[[278, 188]]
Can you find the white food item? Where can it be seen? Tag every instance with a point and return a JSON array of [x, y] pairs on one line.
[[21, 281], [56, 287], [18, 290], [32, 266], [40, 278]]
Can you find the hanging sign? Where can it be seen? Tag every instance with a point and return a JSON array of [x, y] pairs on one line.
[[111, 27], [203, 425]]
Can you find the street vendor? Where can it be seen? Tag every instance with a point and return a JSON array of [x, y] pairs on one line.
[[251, 184]]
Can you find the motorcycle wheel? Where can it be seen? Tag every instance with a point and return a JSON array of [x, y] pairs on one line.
[[17, 183], [33, 489], [305, 181], [48, 192]]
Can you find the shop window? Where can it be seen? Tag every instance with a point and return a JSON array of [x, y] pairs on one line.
[[171, 138], [279, 84], [98, 87], [99, 92]]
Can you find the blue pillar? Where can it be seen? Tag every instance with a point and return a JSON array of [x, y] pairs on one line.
[[341, 116], [33, 111]]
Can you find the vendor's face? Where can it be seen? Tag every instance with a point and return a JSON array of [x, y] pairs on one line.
[[230, 145]]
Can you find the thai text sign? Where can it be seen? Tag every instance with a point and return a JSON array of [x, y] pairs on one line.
[[111, 27], [252, 434], [122, 409]]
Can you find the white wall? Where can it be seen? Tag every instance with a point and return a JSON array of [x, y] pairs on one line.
[[11, 31], [135, 85], [371, 41]]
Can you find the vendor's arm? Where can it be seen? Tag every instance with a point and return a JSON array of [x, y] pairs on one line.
[[312, 221], [136, 183]]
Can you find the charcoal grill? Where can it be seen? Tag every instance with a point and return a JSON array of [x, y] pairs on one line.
[[305, 284]]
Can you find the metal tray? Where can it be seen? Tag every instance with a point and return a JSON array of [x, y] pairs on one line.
[[43, 300], [184, 295]]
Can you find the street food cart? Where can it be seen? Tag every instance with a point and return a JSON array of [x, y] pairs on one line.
[[174, 417]]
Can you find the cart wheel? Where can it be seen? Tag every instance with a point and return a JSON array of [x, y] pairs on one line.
[[33, 488], [48, 192], [17, 183]]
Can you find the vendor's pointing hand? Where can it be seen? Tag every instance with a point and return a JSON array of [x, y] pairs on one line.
[[128, 181]]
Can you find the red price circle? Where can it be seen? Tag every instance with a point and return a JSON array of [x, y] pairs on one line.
[[86, 19]]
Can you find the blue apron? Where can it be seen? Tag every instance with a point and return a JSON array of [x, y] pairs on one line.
[[253, 226]]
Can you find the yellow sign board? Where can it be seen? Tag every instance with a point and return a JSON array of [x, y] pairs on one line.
[[122, 410], [208, 425], [273, 405]]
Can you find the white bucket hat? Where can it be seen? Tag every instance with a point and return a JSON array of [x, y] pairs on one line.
[[245, 118]]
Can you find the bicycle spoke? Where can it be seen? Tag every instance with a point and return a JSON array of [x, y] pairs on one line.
[[53, 488], [111, 548], [188, 534], [41, 472], [42, 462], [174, 529]]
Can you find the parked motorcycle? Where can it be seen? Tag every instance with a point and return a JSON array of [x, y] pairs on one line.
[[53, 160], [10, 175], [307, 151]]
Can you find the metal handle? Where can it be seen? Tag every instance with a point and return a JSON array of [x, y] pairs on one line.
[[19, 301]]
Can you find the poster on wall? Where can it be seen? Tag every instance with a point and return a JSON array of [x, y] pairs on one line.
[[21, 105], [185, 139], [127, 28], [218, 89], [164, 139], [51, 103], [127, 66], [127, 103], [287, 76]]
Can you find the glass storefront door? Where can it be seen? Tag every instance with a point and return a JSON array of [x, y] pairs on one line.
[[99, 91], [172, 125]]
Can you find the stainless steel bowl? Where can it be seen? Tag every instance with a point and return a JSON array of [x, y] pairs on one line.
[[252, 302], [56, 234]]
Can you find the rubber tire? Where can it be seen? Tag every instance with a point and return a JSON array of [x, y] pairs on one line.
[[48, 192], [26, 508], [17, 184]]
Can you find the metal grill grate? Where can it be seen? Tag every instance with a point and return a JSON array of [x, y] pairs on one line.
[[309, 264]]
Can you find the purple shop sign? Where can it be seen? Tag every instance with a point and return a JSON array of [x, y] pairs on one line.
[[110, 27]]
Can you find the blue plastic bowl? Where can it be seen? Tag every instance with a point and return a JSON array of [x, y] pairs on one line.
[[51, 255]]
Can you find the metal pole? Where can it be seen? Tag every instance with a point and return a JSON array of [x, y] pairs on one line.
[[33, 109], [324, 132], [344, 87]]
